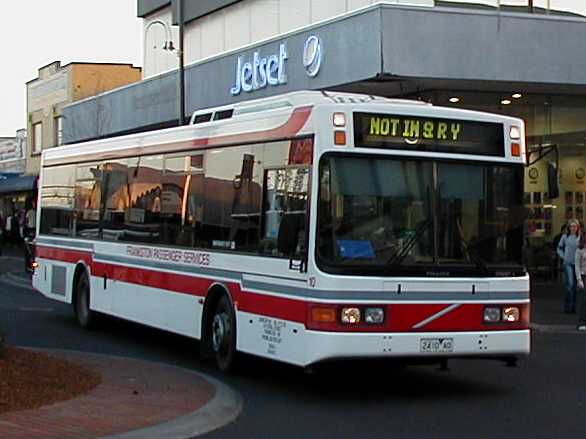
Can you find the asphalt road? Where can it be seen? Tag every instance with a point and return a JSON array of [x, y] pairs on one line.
[[544, 397]]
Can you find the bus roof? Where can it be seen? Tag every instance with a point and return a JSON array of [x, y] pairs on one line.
[[287, 115]]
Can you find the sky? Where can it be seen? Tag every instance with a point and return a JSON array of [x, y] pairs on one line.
[[34, 33]]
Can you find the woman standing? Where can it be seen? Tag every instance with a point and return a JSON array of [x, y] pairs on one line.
[[581, 278], [567, 251]]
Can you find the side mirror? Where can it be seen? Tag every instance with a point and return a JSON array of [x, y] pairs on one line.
[[291, 225]]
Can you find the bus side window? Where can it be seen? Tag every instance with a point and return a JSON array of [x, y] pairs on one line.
[[57, 200]]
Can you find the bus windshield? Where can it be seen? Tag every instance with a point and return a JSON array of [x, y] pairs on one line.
[[419, 217]]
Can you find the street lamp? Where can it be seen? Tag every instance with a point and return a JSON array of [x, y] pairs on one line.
[[168, 42]]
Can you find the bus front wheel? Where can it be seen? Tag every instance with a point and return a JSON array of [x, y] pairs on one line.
[[223, 335], [84, 315]]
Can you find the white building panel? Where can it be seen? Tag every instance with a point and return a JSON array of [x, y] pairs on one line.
[[294, 14], [357, 4], [212, 35], [264, 19], [193, 42], [237, 28], [324, 9]]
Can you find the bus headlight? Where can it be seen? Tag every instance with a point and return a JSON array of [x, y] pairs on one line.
[[492, 314], [350, 316], [374, 315], [511, 314]]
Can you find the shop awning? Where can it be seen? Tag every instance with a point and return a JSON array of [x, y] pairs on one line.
[[22, 183]]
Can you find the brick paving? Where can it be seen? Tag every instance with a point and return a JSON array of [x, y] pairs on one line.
[[133, 395]]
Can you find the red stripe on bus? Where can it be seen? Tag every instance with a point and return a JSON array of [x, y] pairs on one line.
[[399, 317], [58, 254], [467, 317], [289, 129]]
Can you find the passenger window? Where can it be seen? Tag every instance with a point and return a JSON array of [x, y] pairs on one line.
[[57, 200]]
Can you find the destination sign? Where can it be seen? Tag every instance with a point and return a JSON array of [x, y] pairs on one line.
[[428, 134]]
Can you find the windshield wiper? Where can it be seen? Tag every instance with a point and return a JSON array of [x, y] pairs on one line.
[[398, 258], [470, 252]]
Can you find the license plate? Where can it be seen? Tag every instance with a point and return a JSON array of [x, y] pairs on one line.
[[436, 345]]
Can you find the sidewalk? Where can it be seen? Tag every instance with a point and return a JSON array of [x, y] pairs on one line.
[[136, 400], [547, 301]]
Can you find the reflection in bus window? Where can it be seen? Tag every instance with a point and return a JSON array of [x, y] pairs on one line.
[[88, 192], [143, 218], [232, 203], [116, 201], [182, 200]]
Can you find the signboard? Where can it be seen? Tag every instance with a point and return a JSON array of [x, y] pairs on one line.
[[262, 70], [428, 134]]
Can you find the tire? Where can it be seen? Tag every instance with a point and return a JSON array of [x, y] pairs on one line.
[[85, 316], [223, 335]]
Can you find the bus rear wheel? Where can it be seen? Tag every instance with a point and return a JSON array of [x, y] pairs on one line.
[[84, 315], [223, 335]]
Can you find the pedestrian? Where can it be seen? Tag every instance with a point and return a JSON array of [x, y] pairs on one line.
[[557, 265], [567, 252], [30, 220], [8, 229], [580, 279], [2, 233]]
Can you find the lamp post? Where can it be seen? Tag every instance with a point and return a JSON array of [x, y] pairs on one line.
[[170, 47], [181, 82]]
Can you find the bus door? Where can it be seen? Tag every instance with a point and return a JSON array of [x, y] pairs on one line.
[[285, 215]]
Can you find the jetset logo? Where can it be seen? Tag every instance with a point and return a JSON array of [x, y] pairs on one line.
[[261, 72]]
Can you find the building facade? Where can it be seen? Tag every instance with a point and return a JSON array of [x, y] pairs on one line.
[[14, 188], [13, 152], [57, 86], [517, 57]]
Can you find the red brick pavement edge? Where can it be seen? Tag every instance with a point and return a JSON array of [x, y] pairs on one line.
[[135, 399]]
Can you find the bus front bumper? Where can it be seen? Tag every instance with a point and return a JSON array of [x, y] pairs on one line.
[[331, 345]]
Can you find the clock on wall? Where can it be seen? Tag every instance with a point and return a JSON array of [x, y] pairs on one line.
[[580, 173], [533, 173]]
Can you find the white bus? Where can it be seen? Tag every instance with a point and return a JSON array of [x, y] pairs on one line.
[[304, 227]]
